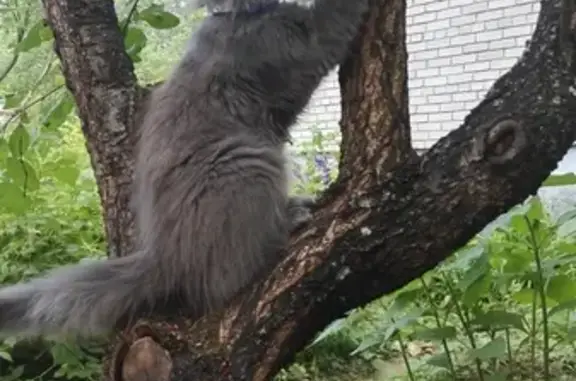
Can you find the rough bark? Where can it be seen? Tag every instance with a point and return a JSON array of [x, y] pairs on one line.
[[391, 216], [375, 122], [101, 78]]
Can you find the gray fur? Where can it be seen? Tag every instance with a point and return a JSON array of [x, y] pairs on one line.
[[211, 203]]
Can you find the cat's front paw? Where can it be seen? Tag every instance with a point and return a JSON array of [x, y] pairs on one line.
[[300, 210]]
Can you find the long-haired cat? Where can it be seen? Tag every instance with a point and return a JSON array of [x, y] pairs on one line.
[[211, 199]]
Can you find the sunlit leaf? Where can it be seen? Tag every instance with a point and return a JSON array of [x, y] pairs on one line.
[[12, 199], [367, 343], [571, 335], [479, 268], [59, 113], [565, 217], [494, 349], [536, 212], [498, 319], [67, 173], [464, 258], [437, 334], [64, 355], [13, 100], [22, 174], [404, 299], [517, 260], [389, 333], [334, 327], [158, 18], [35, 36], [134, 41], [561, 288], [59, 79], [6, 356], [560, 180], [524, 296], [19, 141], [565, 306], [478, 289], [440, 360], [4, 148]]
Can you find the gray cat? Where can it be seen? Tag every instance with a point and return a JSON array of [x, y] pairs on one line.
[[211, 203]]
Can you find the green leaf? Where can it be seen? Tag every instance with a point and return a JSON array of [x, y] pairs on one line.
[[35, 36], [498, 319], [134, 41], [13, 100], [22, 174], [560, 180], [477, 270], [158, 18], [561, 288], [6, 356], [436, 334], [59, 113], [19, 141], [63, 355], [15, 374], [440, 360], [45, 33], [391, 331], [405, 298], [476, 290], [67, 173], [494, 349], [464, 257], [524, 296], [4, 149], [500, 376], [12, 199], [570, 335], [536, 212], [367, 343], [565, 306], [334, 327], [517, 260], [565, 217]]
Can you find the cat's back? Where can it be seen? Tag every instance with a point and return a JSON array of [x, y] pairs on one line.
[[228, 81]]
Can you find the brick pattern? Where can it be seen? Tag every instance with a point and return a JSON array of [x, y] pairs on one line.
[[457, 48]]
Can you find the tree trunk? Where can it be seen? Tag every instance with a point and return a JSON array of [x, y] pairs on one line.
[[101, 77], [389, 218]]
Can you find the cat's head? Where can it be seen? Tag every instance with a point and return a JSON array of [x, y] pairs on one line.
[[232, 5]]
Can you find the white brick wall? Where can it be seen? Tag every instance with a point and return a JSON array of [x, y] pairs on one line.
[[457, 48]]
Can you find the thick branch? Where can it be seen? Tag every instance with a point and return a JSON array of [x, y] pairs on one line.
[[373, 80], [381, 235], [100, 76]]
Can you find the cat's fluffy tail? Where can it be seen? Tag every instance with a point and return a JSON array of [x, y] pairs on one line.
[[83, 299]]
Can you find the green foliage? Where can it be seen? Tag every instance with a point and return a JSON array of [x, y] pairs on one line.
[[502, 308]]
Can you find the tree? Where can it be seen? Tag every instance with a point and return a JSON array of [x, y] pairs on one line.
[[391, 215]]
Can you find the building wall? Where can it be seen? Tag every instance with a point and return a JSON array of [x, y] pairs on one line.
[[457, 48]]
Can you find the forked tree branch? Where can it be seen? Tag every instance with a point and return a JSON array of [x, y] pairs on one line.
[[376, 229]]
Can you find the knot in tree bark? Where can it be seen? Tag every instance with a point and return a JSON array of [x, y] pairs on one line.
[[502, 141]]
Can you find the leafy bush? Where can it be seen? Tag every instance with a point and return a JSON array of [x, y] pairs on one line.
[[501, 308]]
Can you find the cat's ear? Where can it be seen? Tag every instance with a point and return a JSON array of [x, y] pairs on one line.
[[194, 4]]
